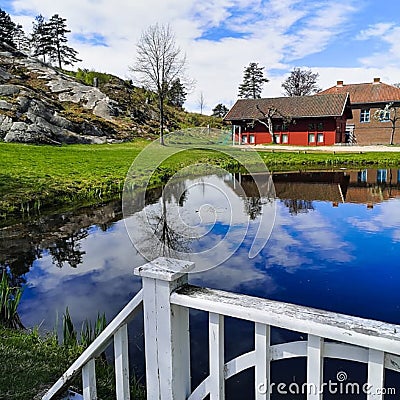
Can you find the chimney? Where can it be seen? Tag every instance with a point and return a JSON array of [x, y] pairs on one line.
[[377, 80], [339, 83]]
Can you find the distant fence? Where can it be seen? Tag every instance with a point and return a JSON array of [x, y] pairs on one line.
[[199, 135]]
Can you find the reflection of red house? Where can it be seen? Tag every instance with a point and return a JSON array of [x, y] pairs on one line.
[[298, 120]]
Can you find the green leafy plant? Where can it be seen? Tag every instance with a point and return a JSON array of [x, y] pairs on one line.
[[9, 301]]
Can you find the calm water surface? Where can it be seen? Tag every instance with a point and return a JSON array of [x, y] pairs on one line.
[[335, 245]]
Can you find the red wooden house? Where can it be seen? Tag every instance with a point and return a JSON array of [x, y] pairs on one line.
[[299, 120]]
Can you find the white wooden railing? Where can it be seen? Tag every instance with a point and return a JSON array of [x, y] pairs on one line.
[[167, 299]]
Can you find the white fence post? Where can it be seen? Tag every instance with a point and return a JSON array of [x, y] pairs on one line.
[[166, 330]]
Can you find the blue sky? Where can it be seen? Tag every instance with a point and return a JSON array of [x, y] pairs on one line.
[[353, 41]]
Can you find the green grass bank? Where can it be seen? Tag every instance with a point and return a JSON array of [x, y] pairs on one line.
[[34, 178]]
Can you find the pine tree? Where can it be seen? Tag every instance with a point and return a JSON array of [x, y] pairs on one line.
[[253, 80], [41, 39], [220, 111], [21, 41], [59, 51], [177, 93], [7, 29]]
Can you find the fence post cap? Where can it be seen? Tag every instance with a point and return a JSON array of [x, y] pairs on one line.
[[165, 269]]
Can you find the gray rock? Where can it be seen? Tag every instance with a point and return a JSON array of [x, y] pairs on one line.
[[4, 105], [4, 75], [105, 110], [9, 90], [5, 125]]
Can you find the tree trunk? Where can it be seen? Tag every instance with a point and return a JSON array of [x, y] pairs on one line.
[[392, 134], [161, 107]]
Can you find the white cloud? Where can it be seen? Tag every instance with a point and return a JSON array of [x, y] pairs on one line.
[[377, 30], [273, 33], [387, 219]]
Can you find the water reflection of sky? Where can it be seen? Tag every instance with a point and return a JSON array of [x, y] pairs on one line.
[[341, 258]]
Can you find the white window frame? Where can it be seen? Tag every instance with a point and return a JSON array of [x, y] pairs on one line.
[[320, 135], [244, 139], [285, 138], [252, 139], [365, 115], [381, 175], [311, 135]]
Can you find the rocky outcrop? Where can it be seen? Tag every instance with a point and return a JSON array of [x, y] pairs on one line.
[[34, 112]]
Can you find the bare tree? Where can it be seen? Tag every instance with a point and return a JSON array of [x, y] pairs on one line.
[[301, 82], [388, 114], [201, 102], [268, 115], [159, 63]]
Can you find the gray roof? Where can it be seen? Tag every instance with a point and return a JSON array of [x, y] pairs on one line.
[[328, 105]]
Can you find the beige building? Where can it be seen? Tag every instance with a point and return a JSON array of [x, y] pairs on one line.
[[366, 98]]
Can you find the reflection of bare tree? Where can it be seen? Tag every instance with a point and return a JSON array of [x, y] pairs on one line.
[[253, 206], [166, 235], [169, 240], [297, 206], [68, 250]]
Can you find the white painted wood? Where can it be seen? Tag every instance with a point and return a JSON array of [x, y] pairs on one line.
[[121, 355], [216, 355], [239, 364], [345, 352], [288, 350], [201, 391], [98, 345], [392, 362], [376, 372], [314, 367], [343, 328], [89, 381], [150, 338], [262, 362], [165, 269], [166, 334]]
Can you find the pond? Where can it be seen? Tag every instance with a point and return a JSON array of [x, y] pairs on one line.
[[330, 239]]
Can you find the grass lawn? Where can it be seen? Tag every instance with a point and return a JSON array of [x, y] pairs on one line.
[[30, 364], [38, 177]]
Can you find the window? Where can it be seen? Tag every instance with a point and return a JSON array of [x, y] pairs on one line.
[[311, 138], [244, 139], [285, 138], [277, 138], [362, 176], [320, 126], [381, 175], [320, 138], [252, 139], [384, 116], [285, 127], [311, 127], [364, 115], [277, 128]]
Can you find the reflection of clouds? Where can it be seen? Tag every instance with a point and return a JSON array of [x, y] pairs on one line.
[[211, 214], [303, 239], [104, 282], [387, 218]]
